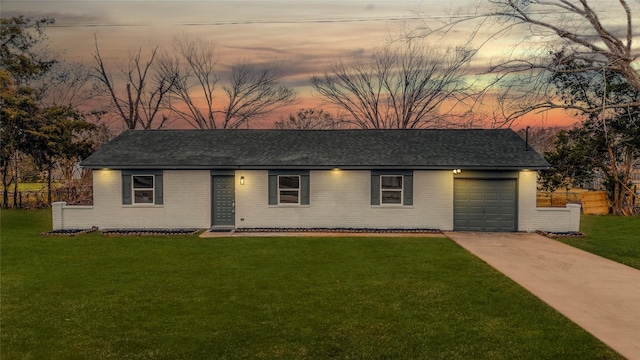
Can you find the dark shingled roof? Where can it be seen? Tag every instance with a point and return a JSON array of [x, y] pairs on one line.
[[316, 149]]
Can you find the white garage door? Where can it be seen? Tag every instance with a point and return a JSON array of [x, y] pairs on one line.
[[485, 205]]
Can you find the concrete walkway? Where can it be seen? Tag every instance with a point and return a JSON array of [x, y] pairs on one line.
[[600, 295], [209, 234]]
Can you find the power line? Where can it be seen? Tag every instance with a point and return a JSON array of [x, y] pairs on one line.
[[252, 22]]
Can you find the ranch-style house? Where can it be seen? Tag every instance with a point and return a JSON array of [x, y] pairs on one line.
[[463, 180]]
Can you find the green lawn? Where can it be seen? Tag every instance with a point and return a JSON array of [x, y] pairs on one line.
[[30, 186], [613, 237], [94, 297]]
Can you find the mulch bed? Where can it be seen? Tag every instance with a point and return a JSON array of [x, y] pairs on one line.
[[567, 234], [341, 230], [148, 232], [69, 232]]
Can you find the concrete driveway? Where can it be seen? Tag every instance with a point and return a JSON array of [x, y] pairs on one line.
[[600, 295]]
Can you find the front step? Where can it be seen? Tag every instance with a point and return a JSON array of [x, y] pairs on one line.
[[221, 229]]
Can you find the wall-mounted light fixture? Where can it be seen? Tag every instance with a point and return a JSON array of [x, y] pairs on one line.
[[457, 171], [241, 180]]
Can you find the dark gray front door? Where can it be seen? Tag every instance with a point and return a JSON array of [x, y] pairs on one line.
[[485, 205], [223, 201]]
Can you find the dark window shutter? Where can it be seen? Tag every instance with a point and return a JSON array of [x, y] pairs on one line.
[[158, 188], [304, 189], [375, 188], [408, 190], [273, 189], [126, 187]]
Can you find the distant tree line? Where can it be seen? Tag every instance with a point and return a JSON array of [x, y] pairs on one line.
[[39, 120]]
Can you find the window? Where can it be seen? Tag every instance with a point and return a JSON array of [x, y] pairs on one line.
[[288, 189], [391, 189], [142, 187]]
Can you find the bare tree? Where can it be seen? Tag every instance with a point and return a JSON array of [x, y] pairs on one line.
[[250, 92], [67, 85], [404, 84], [540, 138], [142, 101], [253, 93], [311, 119], [192, 59], [556, 33]]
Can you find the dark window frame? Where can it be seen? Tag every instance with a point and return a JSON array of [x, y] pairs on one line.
[[391, 189], [284, 192], [140, 189], [128, 189]]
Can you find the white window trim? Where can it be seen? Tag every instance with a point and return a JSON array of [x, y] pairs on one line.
[[401, 190], [133, 191], [299, 190]]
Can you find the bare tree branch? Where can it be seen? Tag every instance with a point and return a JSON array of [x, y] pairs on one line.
[[556, 33], [405, 84], [253, 93], [146, 90], [65, 85], [249, 94], [193, 66], [311, 119]]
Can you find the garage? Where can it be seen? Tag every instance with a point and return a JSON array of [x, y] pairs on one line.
[[485, 205]]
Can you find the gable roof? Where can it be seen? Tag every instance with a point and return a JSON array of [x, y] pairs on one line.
[[499, 149]]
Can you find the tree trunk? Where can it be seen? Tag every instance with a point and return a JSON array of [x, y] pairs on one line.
[[49, 186], [15, 192], [15, 181], [616, 206], [5, 188]]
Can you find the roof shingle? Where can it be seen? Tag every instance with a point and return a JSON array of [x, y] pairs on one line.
[[316, 149]]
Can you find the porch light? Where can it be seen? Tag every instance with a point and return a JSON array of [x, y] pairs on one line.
[[457, 171], [241, 180]]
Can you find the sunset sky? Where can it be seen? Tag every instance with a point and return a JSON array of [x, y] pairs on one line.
[[304, 36]]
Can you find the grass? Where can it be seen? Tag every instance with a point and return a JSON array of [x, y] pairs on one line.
[[265, 298], [613, 237], [30, 186]]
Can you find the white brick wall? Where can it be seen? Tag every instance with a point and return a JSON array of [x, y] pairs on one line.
[[341, 199], [56, 214], [532, 218], [338, 199], [187, 195]]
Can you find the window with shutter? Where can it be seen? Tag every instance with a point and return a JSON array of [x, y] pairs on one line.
[[392, 187], [288, 187], [142, 187]]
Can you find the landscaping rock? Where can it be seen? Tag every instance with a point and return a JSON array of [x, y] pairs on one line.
[[566, 234], [341, 230], [148, 232], [69, 232]]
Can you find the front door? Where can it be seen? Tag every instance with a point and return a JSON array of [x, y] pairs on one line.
[[223, 201]]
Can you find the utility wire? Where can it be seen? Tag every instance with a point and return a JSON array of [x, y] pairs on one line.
[[251, 22]]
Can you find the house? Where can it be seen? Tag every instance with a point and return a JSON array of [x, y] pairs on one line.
[[470, 180]]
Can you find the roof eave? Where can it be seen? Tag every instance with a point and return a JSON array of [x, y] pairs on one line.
[[315, 167]]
